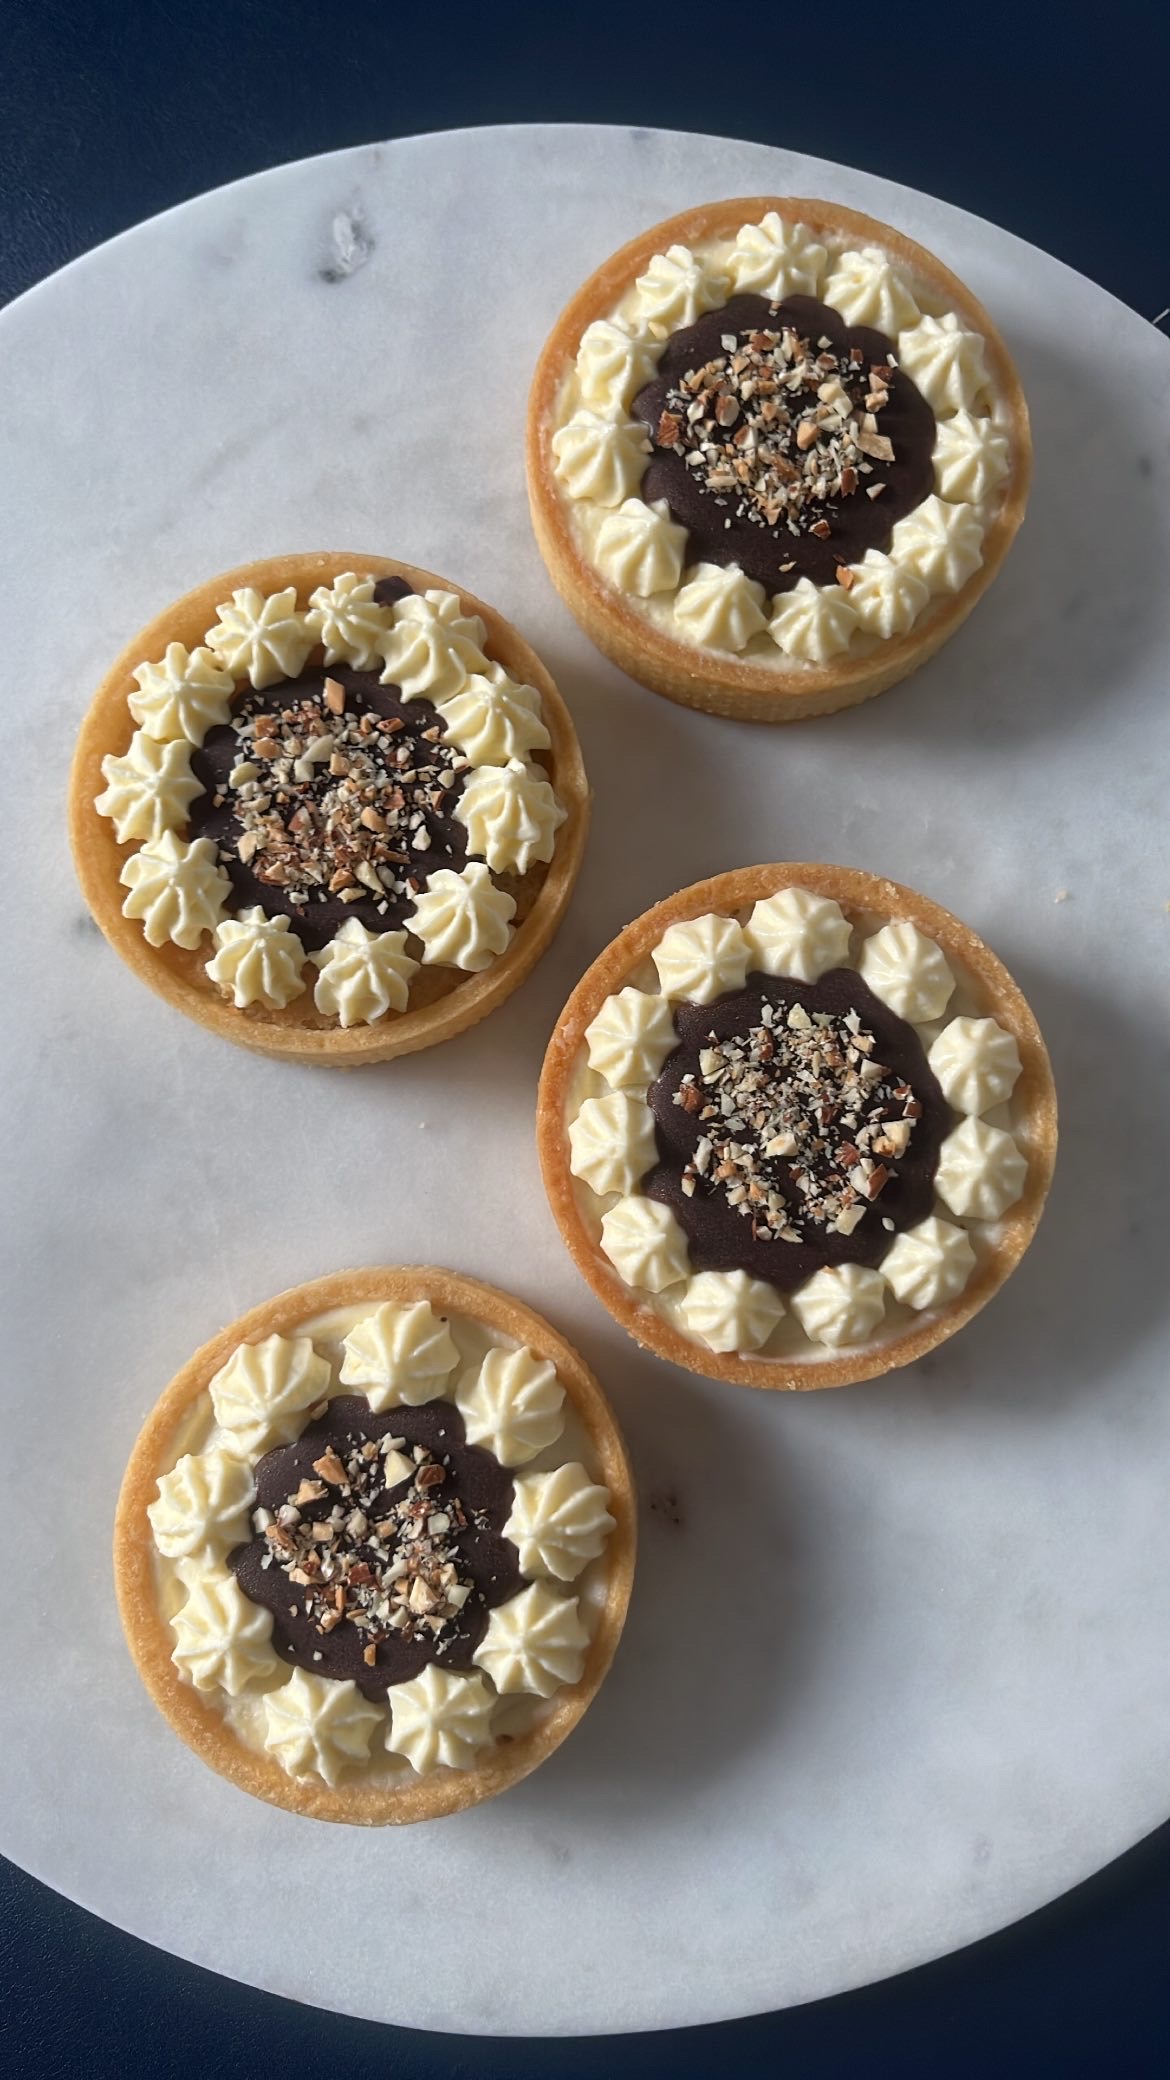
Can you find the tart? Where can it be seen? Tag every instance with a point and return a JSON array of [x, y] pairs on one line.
[[374, 1546], [776, 452], [329, 806], [796, 1124]]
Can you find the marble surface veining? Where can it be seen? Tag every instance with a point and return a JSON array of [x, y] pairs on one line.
[[896, 1666]]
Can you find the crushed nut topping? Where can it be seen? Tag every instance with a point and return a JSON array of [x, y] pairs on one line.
[[333, 801], [802, 1128], [372, 1542], [779, 427]]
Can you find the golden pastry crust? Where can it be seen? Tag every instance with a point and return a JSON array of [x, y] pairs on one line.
[[859, 895], [720, 684], [443, 1001], [149, 1635]]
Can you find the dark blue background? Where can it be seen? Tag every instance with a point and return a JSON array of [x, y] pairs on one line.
[[1050, 120]]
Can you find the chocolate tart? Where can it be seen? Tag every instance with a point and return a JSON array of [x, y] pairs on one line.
[[330, 807], [796, 1125], [374, 1546], [776, 452]]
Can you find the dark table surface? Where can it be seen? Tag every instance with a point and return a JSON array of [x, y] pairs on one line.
[[1049, 121]]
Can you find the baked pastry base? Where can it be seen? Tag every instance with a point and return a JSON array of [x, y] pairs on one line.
[[443, 1001], [714, 681], [856, 892], [148, 1633]]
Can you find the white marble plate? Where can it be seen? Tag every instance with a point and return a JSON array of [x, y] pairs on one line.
[[896, 1669]]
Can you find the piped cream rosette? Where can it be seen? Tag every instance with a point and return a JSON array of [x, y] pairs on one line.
[[449, 1736], [703, 632], [469, 934], [845, 1321]]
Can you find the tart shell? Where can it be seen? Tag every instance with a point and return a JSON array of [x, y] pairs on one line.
[[148, 1633], [856, 892], [444, 1001], [713, 681]]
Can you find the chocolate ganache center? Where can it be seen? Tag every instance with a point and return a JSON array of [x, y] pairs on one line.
[[785, 440], [798, 1124], [381, 1544], [330, 797]]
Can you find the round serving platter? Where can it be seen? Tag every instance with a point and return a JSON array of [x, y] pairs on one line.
[[895, 1669]]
